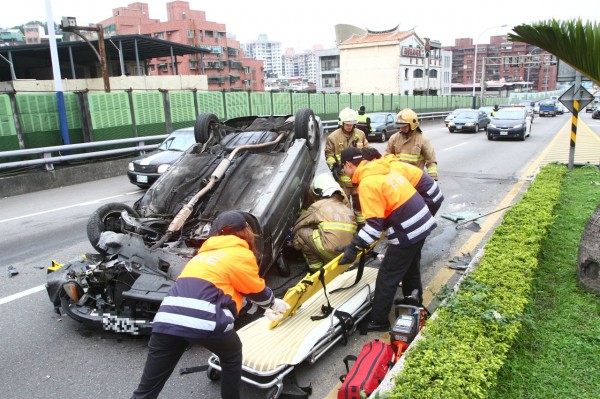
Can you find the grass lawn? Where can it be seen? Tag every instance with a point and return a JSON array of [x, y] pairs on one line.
[[557, 352]]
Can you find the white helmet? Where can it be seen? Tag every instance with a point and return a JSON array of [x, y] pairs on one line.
[[324, 185], [348, 115]]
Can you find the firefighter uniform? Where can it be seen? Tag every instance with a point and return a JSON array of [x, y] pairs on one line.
[[326, 225], [414, 148]]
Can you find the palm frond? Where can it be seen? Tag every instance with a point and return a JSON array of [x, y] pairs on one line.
[[574, 42]]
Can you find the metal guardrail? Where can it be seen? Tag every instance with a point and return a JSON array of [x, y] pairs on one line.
[[48, 159]]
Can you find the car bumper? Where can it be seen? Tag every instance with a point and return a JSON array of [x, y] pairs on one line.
[[142, 179], [547, 113], [374, 135], [510, 133]]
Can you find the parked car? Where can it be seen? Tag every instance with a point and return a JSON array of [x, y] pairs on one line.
[[510, 122], [382, 126], [592, 105], [596, 112], [453, 114], [144, 170], [469, 120], [261, 166]]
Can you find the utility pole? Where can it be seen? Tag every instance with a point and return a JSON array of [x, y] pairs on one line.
[[69, 24]]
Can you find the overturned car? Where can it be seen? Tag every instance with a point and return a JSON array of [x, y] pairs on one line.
[[259, 165]]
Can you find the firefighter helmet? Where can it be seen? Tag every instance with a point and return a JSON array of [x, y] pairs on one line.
[[409, 116], [324, 185], [349, 116]]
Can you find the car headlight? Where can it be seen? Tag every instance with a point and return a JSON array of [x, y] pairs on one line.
[[492, 125], [450, 123], [130, 166], [162, 168], [520, 125]]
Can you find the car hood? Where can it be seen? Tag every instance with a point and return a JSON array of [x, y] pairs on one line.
[[377, 126], [159, 157]]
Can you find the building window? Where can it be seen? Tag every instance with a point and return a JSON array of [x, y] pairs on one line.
[[433, 73], [159, 35], [418, 73], [193, 64], [406, 74], [190, 33]]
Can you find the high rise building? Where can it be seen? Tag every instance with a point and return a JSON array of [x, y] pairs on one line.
[[226, 66], [269, 52]]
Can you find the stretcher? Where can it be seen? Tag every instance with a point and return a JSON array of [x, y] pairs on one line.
[[270, 354]]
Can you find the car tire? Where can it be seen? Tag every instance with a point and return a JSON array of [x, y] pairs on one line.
[[489, 136], [282, 267], [476, 128], [106, 218], [383, 136], [204, 126], [307, 128], [451, 130]]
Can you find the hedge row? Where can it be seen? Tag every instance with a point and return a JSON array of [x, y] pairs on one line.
[[466, 344]]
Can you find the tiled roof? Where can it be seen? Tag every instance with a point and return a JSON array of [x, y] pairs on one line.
[[370, 37]]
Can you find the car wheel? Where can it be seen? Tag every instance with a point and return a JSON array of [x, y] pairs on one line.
[[489, 136], [306, 127], [204, 125], [213, 374], [106, 218], [282, 267], [476, 128], [383, 136], [451, 130], [522, 136]]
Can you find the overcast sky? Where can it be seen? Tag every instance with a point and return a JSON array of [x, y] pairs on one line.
[[300, 24]]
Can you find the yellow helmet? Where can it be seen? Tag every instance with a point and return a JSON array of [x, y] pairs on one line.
[[409, 116], [348, 115], [324, 185]]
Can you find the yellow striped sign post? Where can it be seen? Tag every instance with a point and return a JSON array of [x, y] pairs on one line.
[[575, 98]]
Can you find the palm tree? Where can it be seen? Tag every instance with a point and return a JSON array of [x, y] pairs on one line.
[[574, 42]]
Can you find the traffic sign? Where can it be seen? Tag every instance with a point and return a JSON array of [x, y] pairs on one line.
[[582, 95]]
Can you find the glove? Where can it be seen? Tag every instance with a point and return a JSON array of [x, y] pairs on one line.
[[279, 306], [336, 171], [273, 316], [352, 250]]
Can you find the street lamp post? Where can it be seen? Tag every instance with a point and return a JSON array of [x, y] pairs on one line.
[[529, 67], [475, 62]]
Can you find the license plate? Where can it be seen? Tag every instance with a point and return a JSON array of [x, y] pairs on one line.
[[503, 133], [141, 179]]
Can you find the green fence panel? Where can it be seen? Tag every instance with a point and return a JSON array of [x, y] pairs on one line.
[[331, 106], [344, 101], [395, 102], [8, 143], [148, 108], [386, 102], [317, 103], [182, 107], [299, 100], [261, 103], [7, 123], [367, 101], [236, 104], [109, 110], [356, 100], [282, 103], [38, 112], [377, 103], [211, 101]]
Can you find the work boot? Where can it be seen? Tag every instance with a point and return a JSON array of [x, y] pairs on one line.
[[376, 326]]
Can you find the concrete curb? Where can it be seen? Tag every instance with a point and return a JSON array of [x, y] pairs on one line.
[[62, 175]]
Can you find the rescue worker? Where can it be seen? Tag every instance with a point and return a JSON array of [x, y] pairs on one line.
[[326, 225], [410, 145], [364, 121], [421, 181], [203, 304], [493, 111], [344, 137], [390, 204]]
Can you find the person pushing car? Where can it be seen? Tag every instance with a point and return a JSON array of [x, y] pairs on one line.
[[203, 304]]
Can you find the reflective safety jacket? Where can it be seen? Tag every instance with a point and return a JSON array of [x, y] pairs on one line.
[[339, 141], [415, 149], [364, 123], [208, 294], [332, 224], [390, 203], [422, 182]]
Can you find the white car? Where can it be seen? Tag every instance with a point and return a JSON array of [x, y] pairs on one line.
[[453, 114]]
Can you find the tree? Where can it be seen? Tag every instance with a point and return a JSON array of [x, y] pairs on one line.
[[574, 42]]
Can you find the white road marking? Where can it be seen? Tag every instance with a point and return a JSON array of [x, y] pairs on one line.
[[22, 294], [97, 201], [454, 146]]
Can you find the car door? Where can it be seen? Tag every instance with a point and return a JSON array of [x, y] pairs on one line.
[[483, 120]]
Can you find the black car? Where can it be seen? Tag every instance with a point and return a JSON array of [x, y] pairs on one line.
[[382, 126], [262, 166], [596, 112], [143, 171], [510, 122], [469, 121]]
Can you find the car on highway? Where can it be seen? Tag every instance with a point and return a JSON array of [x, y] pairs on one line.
[[596, 112], [382, 126], [548, 108], [528, 105], [510, 122], [592, 105], [469, 121], [261, 166], [487, 109], [453, 114], [146, 169]]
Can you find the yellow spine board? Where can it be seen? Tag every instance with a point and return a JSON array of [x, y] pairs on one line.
[[310, 285]]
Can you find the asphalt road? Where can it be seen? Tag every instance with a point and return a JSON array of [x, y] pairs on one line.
[[44, 355]]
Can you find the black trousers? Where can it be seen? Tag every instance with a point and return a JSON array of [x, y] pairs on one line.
[[164, 352], [399, 264]]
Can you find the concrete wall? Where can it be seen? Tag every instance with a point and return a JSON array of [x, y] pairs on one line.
[[175, 82]]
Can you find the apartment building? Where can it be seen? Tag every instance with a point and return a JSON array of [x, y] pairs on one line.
[[226, 66], [269, 52]]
